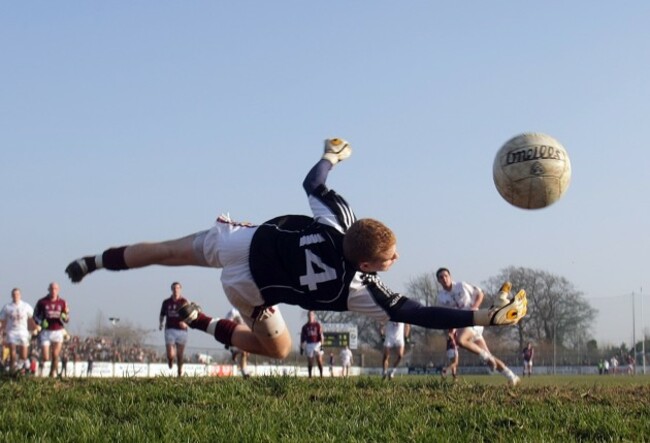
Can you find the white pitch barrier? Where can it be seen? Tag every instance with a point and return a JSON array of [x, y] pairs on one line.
[[150, 370]]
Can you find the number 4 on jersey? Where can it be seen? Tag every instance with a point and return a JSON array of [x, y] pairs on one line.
[[312, 277]]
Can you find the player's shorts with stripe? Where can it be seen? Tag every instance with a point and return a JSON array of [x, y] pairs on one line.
[[175, 336]]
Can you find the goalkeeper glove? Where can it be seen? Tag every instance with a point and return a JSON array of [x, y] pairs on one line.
[[336, 150], [508, 314]]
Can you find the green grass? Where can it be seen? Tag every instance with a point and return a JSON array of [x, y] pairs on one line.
[[273, 409]]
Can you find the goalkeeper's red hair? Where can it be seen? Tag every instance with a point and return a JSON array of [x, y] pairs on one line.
[[370, 244]]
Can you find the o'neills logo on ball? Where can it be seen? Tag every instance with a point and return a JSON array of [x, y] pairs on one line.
[[537, 152]]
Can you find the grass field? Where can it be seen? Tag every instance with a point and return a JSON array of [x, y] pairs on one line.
[[283, 409]]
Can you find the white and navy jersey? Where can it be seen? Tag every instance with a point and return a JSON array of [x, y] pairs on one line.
[[461, 296], [299, 260]]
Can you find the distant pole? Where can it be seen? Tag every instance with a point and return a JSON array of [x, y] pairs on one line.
[[554, 352], [643, 329], [633, 333]]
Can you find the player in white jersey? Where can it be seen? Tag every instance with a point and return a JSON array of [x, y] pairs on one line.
[[326, 262], [463, 296], [16, 320], [239, 356], [395, 334], [346, 361]]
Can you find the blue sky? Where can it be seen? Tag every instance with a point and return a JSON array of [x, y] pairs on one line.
[[130, 121]]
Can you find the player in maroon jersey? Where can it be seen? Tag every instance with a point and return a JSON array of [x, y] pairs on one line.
[[328, 262], [175, 328], [50, 314], [528, 354], [452, 355], [311, 342]]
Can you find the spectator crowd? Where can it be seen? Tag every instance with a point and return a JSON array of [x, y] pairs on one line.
[[93, 348]]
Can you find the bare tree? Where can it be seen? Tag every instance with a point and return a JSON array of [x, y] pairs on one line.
[[423, 288], [557, 311]]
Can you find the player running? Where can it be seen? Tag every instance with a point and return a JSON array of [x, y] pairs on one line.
[[17, 321], [175, 328], [528, 353], [346, 361], [452, 356], [50, 314], [463, 296], [395, 335], [325, 262], [311, 342]]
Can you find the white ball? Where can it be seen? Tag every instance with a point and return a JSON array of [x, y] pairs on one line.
[[532, 171]]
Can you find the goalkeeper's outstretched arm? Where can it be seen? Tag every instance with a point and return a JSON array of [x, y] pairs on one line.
[[335, 150]]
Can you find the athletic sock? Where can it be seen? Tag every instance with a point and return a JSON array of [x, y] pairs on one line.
[[223, 331], [203, 322], [112, 259], [220, 329]]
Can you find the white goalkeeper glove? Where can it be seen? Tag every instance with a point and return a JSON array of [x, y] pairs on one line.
[[336, 150], [508, 314]]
